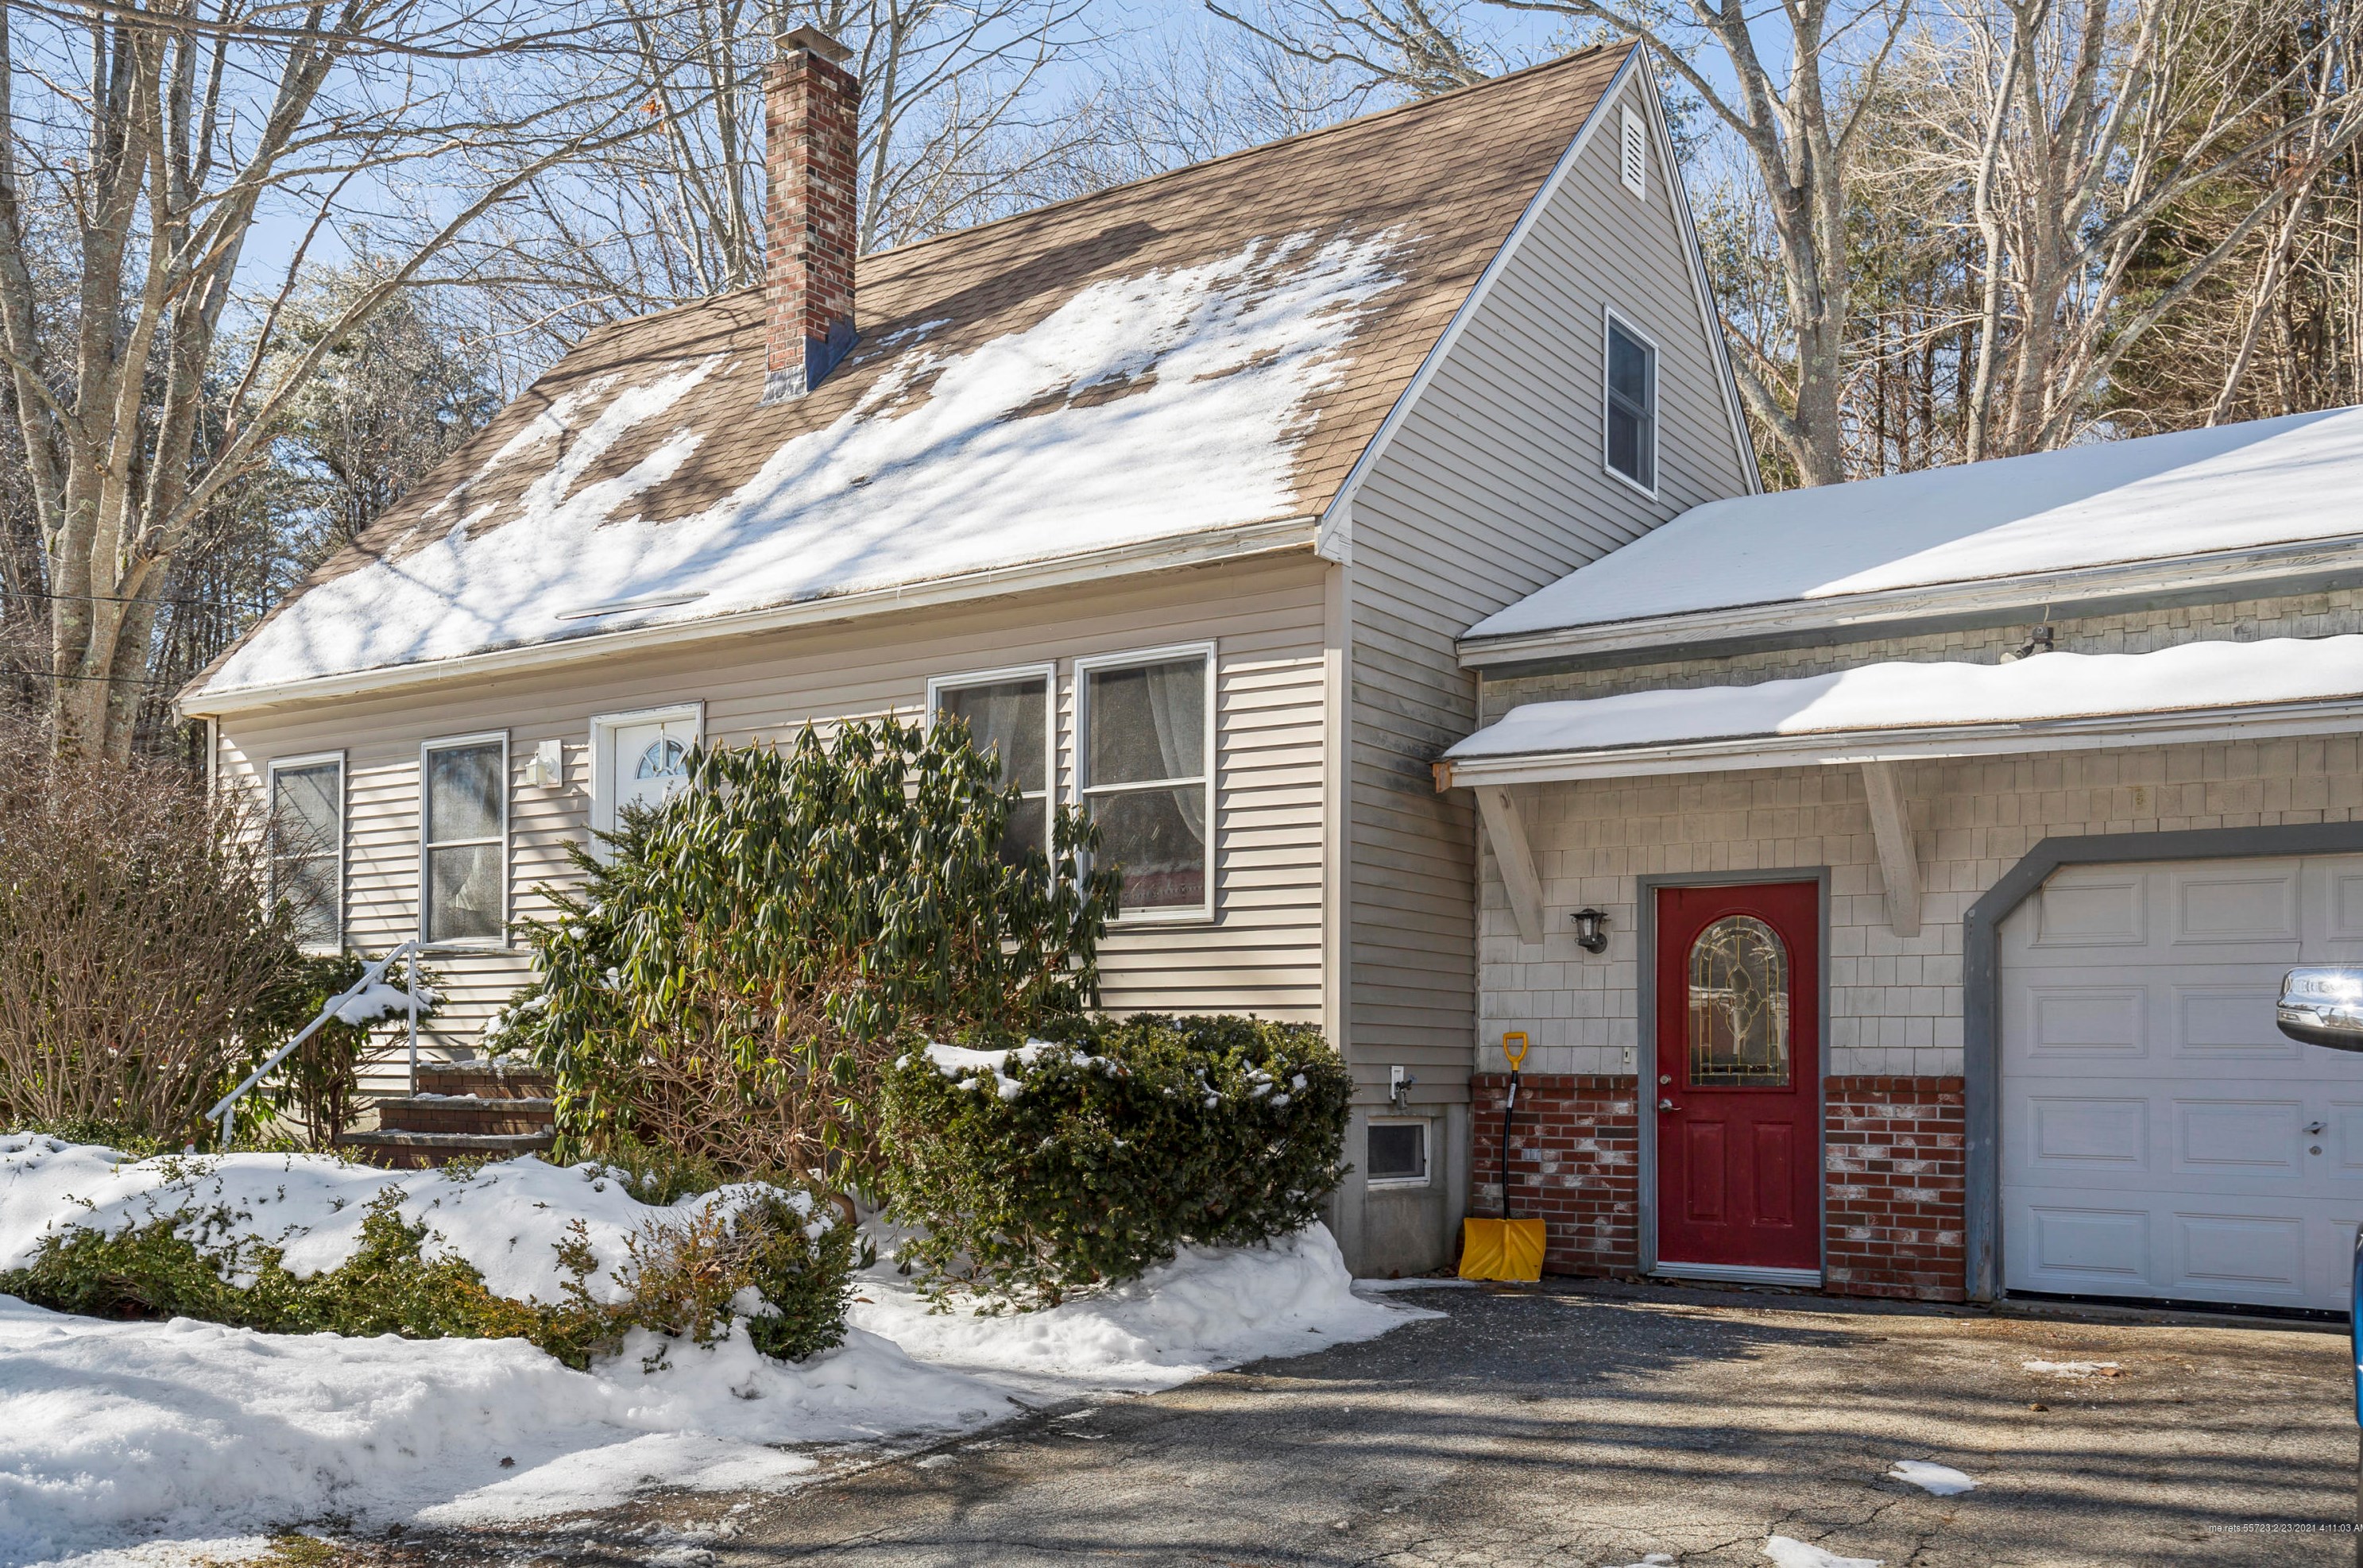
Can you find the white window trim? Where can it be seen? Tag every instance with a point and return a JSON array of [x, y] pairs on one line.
[[1084, 669], [344, 829], [602, 753], [1048, 674], [1426, 1124], [1611, 316], [426, 751]]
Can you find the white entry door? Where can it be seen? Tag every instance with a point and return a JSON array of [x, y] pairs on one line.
[[641, 761], [2160, 1138]]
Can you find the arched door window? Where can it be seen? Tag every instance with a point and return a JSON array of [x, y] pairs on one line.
[[1739, 1006]]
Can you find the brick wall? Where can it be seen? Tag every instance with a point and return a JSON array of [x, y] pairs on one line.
[[1575, 1162], [1891, 1151]]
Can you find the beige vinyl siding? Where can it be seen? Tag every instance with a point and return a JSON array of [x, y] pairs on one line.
[[1262, 952], [1491, 486]]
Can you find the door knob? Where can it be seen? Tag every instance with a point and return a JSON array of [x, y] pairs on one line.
[[1668, 1105], [2313, 1129]]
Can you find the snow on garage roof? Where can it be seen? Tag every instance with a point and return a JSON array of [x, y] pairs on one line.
[[2237, 486], [1205, 351], [1899, 698]]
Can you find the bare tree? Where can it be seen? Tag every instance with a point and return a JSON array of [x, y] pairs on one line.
[[141, 148], [1398, 49], [964, 116], [2076, 134]]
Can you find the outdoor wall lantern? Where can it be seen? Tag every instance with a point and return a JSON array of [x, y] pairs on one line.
[[1590, 930]]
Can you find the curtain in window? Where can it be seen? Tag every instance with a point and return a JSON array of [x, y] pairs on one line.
[[1177, 708]]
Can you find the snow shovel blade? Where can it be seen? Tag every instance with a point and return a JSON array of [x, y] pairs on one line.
[[1502, 1249]]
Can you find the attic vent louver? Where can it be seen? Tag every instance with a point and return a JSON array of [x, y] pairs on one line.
[[1637, 155]]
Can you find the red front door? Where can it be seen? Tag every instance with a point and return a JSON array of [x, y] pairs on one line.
[[1739, 1091]]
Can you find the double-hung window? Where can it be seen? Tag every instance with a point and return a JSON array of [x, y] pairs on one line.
[[1147, 766], [1632, 405], [307, 847], [1008, 714], [463, 840]]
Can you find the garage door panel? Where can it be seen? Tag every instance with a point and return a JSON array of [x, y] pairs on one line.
[[2233, 1020], [2160, 1137], [2251, 903], [2083, 1133], [2262, 1256], [2087, 1020], [2077, 1248], [2238, 1138], [2091, 912]]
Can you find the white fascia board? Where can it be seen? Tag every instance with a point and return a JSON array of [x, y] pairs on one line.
[[1834, 748], [1334, 539], [1280, 537], [2261, 568]]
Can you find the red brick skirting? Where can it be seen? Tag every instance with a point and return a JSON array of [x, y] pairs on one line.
[[1891, 1153], [1891, 1150], [1575, 1163]]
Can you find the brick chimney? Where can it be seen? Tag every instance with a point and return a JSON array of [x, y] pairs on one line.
[[812, 104]]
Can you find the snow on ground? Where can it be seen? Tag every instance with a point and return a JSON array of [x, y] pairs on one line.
[[1907, 695], [2070, 1368], [1937, 1480], [506, 1218], [1161, 404], [126, 1436], [2233, 487], [1204, 1311], [1786, 1552]]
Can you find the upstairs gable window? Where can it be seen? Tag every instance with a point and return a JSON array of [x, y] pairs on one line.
[[1631, 406]]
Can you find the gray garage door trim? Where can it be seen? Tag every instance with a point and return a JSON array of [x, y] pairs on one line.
[[1982, 986]]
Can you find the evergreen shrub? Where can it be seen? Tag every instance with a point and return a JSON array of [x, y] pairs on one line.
[[687, 1279], [1088, 1159], [735, 970]]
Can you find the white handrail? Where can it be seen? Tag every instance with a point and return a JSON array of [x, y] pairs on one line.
[[226, 1109]]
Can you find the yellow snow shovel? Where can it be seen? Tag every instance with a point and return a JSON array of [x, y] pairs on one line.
[[1504, 1248]]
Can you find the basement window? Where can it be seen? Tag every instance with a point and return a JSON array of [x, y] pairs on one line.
[[1397, 1153]]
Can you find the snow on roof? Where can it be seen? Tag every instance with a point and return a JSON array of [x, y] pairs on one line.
[[2235, 486], [1208, 349], [950, 462], [1908, 696]]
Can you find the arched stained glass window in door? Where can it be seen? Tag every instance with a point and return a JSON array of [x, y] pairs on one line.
[[1739, 1006]]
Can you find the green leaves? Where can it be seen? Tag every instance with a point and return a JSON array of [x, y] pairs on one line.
[[732, 975], [1090, 1164]]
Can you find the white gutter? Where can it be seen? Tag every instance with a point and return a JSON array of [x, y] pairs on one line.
[[1280, 536], [1837, 747], [2261, 566]]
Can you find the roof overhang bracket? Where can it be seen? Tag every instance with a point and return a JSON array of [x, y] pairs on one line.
[[1891, 830], [1508, 833]]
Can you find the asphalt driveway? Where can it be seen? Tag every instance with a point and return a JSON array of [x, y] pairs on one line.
[[1599, 1423]]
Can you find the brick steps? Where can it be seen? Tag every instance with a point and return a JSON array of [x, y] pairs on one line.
[[462, 1110]]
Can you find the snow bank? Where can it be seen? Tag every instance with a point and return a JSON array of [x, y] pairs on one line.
[[1787, 1552], [114, 1434], [1206, 1310], [505, 1218], [1166, 403], [2237, 486], [1906, 696]]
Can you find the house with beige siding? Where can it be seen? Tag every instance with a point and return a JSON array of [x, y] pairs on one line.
[[1946, 838], [1181, 492]]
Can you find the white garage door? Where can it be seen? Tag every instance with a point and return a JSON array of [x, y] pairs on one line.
[[2159, 1137]]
